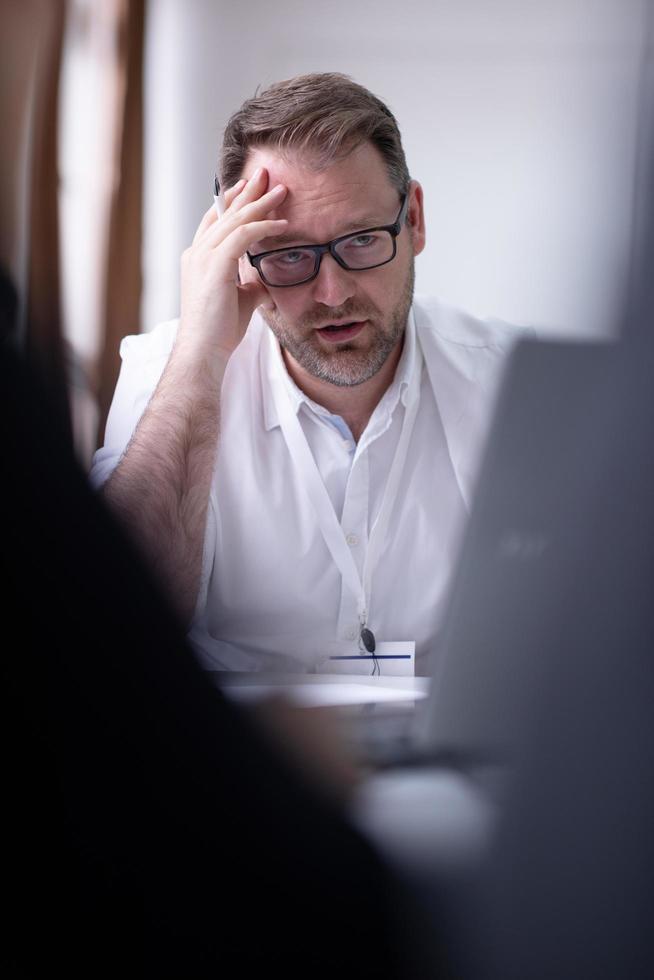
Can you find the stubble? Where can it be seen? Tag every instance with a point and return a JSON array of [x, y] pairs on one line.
[[347, 365]]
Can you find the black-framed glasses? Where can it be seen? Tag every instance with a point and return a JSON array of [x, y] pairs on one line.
[[366, 249]]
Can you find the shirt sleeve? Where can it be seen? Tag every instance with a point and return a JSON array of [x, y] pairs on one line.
[[144, 358]]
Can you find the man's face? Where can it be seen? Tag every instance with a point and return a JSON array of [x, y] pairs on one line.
[[350, 196]]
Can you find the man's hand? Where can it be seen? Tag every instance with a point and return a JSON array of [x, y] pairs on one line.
[[216, 309]]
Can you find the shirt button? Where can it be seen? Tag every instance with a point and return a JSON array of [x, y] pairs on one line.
[[352, 633], [352, 540]]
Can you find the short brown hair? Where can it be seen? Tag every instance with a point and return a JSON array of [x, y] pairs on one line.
[[321, 116]]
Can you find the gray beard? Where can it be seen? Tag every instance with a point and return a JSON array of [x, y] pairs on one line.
[[346, 366]]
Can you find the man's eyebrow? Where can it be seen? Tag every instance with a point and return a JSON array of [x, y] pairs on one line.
[[299, 238]]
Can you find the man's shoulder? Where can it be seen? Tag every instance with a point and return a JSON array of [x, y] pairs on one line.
[[154, 346], [150, 346], [450, 327]]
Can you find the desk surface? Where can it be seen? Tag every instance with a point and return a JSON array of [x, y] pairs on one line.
[[323, 690]]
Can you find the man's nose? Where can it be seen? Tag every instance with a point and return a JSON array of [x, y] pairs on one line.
[[333, 285]]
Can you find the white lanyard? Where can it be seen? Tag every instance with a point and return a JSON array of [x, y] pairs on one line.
[[311, 480]]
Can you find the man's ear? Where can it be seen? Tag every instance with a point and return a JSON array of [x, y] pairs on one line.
[[416, 217]]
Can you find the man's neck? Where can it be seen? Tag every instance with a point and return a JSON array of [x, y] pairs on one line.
[[356, 403]]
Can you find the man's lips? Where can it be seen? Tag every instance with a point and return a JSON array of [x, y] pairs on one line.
[[337, 332]]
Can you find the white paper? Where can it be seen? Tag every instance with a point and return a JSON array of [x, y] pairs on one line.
[[323, 695]]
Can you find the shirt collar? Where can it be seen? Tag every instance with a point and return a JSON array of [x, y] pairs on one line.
[[276, 379]]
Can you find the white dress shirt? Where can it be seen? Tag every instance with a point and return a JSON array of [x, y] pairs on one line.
[[272, 595]]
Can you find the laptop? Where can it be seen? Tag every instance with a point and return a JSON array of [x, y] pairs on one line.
[[547, 543]]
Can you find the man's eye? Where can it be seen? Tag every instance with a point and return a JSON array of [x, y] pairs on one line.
[[291, 258], [362, 241]]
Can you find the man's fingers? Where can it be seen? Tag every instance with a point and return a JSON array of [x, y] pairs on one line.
[[210, 217], [254, 211], [239, 240], [232, 192], [253, 193], [254, 188]]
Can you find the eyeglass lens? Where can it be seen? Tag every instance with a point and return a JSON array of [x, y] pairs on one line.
[[356, 252]]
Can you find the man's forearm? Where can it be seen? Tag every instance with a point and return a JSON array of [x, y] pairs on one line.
[[160, 488]]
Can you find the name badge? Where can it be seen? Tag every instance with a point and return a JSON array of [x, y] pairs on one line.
[[395, 658]]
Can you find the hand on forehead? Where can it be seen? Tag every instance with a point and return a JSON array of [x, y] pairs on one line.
[[353, 191]]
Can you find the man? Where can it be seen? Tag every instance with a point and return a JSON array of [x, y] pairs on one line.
[[300, 488]]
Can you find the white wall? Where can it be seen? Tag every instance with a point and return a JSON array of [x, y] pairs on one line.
[[518, 117]]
